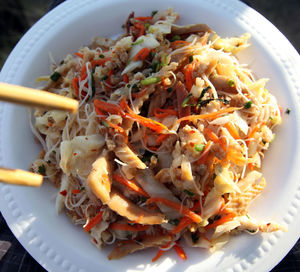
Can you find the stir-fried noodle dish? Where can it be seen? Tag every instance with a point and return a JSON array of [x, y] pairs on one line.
[[168, 141]]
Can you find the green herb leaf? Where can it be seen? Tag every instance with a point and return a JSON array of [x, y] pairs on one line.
[[189, 193], [138, 42], [101, 56], [147, 25], [104, 123], [174, 222], [175, 38], [150, 80], [152, 54], [288, 111], [156, 66], [186, 100], [231, 83], [135, 88], [55, 76], [169, 90], [154, 12], [164, 61], [195, 237], [42, 169], [82, 188], [248, 105], [204, 91], [199, 147], [191, 59], [104, 77]]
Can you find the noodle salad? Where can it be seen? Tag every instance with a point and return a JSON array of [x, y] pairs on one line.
[[168, 141]]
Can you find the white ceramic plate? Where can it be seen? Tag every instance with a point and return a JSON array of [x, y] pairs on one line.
[[58, 245]]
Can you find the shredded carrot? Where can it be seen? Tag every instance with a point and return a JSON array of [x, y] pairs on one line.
[[140, 27], [79, 55], [94, 221], [146, 18], [178, 207], [211, 135], [211, 115], [116, 127], [188, 74], [251, 166], [228, 217], [76, 191], [203, 159], [75, 85], [184, 222], [161, 138], [254, 130], [232, 130], [120, 226], [83, 72], [235, 156], [164, 112], [125, 78], [108, 107], [147, 122], [130, 184], [142, 54], [99, 62], [139, 94], [179, 250], [108, 80], [179, 42], [158, 255]]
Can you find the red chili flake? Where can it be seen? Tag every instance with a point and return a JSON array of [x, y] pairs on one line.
[[268, 224], [74, 154], [86, 138], [95, 241], [192, 131], [63, 193], [75, 191], [192, 144], [93, 150]]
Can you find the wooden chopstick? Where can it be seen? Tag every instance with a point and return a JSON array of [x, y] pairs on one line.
[[20, 177], [36, 98]]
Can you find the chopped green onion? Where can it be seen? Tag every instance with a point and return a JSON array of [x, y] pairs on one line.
[[150, 80], [156, 66], [123, 26], [101, 56], [248, 216], [42, 169], [104, 77], [271, 118], [199, 147], [195, 237], [138, 42], [54, 152], [147, 25], [288, 111], [188, 192], [154, 12], [135, 88], [185, 101], [191, 59], [82, 188], [230, 83], [164, 61], [174, 222], [175, 38], [55, 76], [169, 90], [274, 135], [128, 86], [152, 54], [248, 105]]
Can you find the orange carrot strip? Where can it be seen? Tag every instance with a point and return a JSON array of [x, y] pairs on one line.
[[161, 138], [179, 42], [125, 78], [75, 85], [203, 159], [232, 130], [130, 184], [108, 81], [120, 226], [78, 55], [142, 54], [94, 221], [141, 18], [251, 166], [76, 191], [108, 107], [184, 222], [176, 206], [179, 250], [211, 135], [116, 127], [83, 72], [139, 94], [164, 112], [158, 255], [140, 27], [228, 217], [188, 71], [207, 115], [99, 62]]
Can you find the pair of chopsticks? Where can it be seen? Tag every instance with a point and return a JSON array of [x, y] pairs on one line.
[[32, 98]]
